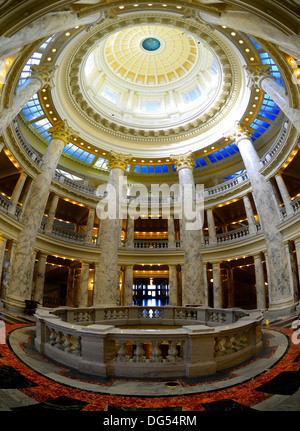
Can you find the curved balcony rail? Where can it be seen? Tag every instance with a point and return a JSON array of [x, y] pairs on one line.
[[106, 341]]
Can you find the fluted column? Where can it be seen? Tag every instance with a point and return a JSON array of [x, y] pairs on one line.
[[205, 286], [20, 284], [278, 275], [40, 278], [250, 215], [217, 286], [14, 199], [128, 285], [193, 266], [130, 232], [284, 193], [41, 76], [261, 78], [171, 232], [107, 278], [83, 290], [260, 282], [211, 227], [90, 226], [51, 213], [173, 285]]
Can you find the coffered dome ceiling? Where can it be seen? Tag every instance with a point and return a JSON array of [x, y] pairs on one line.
[[160, 86]]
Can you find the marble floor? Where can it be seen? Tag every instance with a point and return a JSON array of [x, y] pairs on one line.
[[32, 383]]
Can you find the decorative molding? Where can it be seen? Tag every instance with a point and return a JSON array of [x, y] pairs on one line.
[[62, 131], [184, 161]]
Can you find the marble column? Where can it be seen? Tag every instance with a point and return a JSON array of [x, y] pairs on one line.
[[217, 285], [250, 215], [107, 278], [7, 266], [130, 232], [14, 199], [41, 76], [51, 213], [211, 227], [90, 226], [20, 284], [70, 287], [205, 286], [276, 196], [279, 285], [40, 278], [25, 195], [45, 26], [292, 271], [171, 232], [193, 265], [173, 285], [261, 78], [284, 194], [3, 242], [260, 282], [249, 23], [1, 145], [297, 248], [128, 286], [82, 292]]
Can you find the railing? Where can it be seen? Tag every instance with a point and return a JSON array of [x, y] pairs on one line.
[[227, 185], [98, 340], [159, 243]]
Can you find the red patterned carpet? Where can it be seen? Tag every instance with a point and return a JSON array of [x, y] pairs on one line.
[[23, 389]]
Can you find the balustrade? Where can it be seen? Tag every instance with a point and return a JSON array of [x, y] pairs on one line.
[[112, 342]]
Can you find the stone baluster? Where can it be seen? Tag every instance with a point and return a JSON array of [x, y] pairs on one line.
[[278, 273], [217, 286], [193, 272], [14, 199], [44, 26], [261, 78], [90, 226], [284, 194], [20, 285], [41, 76], [40, 278], [260, 283], [107, 278], [250, 215], [211, 226], [51, 213]]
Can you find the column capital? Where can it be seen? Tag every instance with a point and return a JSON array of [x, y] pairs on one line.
[[256, 76], [44, 73], [240, 132], [118, 160], [62, 131], [185, 160]]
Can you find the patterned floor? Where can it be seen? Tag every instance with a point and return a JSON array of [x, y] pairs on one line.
[[30, 383]]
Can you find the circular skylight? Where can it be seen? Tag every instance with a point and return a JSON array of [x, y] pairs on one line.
[[151, 44]]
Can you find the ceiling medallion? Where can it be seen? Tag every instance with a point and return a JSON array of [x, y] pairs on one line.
[[151, 44]]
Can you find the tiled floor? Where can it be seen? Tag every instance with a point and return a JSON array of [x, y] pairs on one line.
[[31, 383]]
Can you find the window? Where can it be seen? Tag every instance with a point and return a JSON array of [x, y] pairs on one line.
[[110, 95], [151, 106], [192, 95]]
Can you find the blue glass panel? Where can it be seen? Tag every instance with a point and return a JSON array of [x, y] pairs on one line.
[[158, 169], [144, 169], [223, 152], [211, 158], [229, 149], [218, 155], [151, 169], [137, 169], [165, 168], [202, 161], [235, 147]]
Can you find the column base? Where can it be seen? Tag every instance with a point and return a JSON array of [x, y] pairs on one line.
[[14, 304], [283, 305]]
